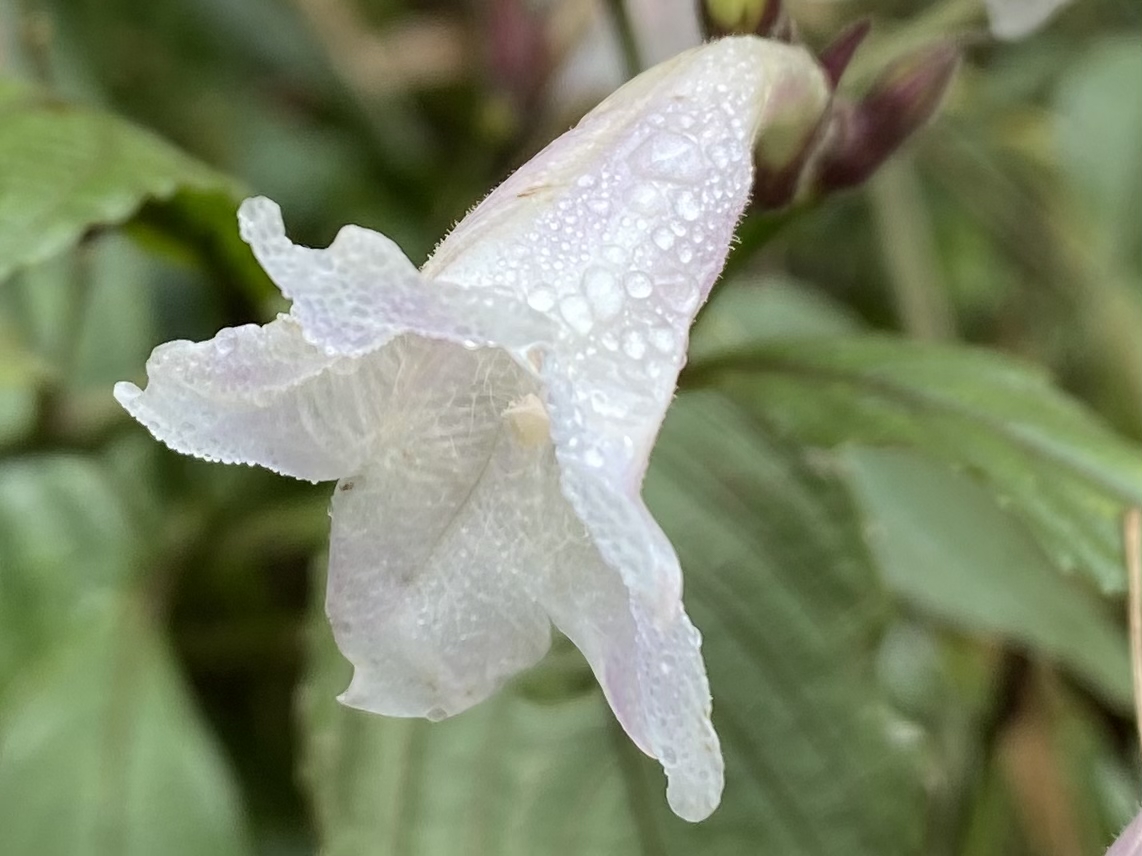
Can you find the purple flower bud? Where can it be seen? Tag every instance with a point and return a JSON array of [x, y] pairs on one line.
[[519, 58], [836, 57], [862, 136]]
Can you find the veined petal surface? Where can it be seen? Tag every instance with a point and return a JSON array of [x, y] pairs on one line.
[[433, 541], [265, 396], [361, 291]]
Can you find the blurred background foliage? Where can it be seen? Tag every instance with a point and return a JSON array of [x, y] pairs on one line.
[[895, 474]]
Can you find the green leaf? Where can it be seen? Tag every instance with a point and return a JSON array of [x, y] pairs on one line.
[[777, 580], [752, 311], [1044, 457], [66, 544], [1099, 135], [519, 774], [946, 547], [65, 169], [101, 752]]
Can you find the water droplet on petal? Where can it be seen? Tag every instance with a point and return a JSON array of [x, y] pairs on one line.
[[603, 292], [686, 206], [593, 458], [644, 198], [669, 156], [576, 312], [638, 284], [634, 344], [540, 299], [663, 238]]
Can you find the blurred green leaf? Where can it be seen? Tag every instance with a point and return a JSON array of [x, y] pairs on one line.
[[1099, 135], [515, 775], [1046, 459], [66, 544], [19, 368], [945, 546], [753, 310], [65, 169], [779, 583], [102, 753]]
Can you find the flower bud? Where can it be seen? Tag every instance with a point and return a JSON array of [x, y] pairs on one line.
[[863, 135], [836, 57], [768, 18], [518, 55], [798, 111]]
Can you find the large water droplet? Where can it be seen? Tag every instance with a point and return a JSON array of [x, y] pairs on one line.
[[686, 206], [644, 198], [663, 238], [669, 156], [638, 284], [577, 313], [603, 292], [541, 299]]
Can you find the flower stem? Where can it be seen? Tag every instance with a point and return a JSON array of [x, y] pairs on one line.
[[909, 252], [624, 28]]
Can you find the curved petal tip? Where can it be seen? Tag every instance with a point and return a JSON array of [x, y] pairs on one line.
[[260, 219]]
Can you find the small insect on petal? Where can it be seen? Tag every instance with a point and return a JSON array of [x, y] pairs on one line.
[[529, 422]]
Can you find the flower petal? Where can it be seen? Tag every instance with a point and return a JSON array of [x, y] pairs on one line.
[[649, 664], [430, 543], [262, 395], [360, 292], [617, 231], [1014, 19]]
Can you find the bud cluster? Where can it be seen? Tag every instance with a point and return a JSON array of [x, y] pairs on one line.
[[842, 145]]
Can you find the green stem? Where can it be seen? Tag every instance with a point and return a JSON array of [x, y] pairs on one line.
[[908, 247], [624, 27]]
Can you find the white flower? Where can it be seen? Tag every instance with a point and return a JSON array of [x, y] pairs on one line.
[[489, 418], [1014, 19]]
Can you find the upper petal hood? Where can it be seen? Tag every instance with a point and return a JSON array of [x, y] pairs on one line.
[[750, 80], [619, 228]]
